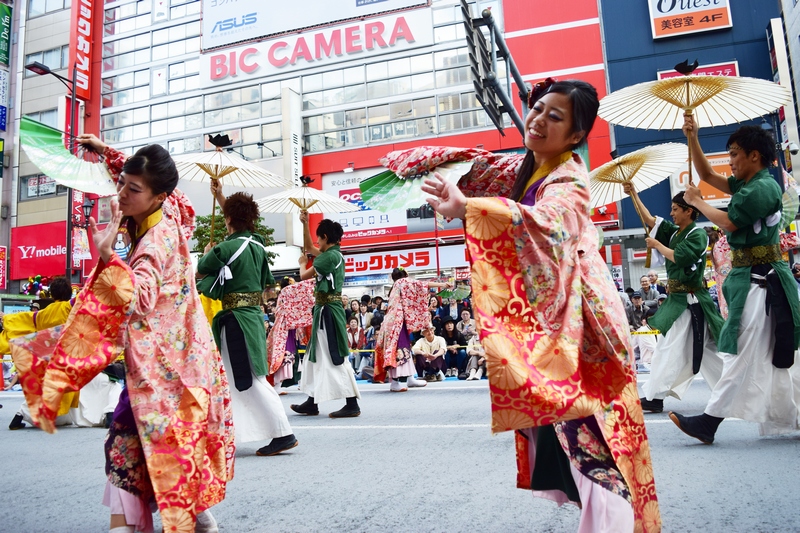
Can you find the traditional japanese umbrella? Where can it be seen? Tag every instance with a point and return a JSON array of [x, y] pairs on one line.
[[642, 169], [44, 146], [713, 100], [387, 191], [305, 198], [220, 164]]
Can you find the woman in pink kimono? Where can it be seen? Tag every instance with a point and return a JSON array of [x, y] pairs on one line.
[[554, 330], [408, 312], [171, 438]]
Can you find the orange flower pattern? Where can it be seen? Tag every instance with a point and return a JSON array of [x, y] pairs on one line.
[[185, 411], [563, 325]]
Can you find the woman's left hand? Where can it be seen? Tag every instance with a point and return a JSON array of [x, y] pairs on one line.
[[448, 200], [104, 240]]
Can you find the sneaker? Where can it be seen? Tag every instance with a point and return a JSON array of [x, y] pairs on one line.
[[414, 382], [16, 423], [398, 386], [654, 406], [471, 376], [276, 446], [440, 376]]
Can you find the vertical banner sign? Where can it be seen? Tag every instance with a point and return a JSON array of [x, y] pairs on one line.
[[5, 33], [781, 73], [292, 134], [679, 17], [75, 213], [3, 267], [4, 79], [2, 156], [80, 46]]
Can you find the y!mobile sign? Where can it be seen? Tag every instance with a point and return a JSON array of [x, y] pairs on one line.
[[357, 39], [679, 17], [230, 21], [38, 249]]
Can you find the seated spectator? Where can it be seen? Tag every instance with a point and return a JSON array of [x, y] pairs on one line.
[[645, 343], [355, 343], [371, 331], [346, 305], [648, 292], [456, 348], [661, 299], [436, 320], [467, 326], [637, 310], [377, 308], [353, 310], [429, 355], [450, 308], [477, 359], [364, 316]]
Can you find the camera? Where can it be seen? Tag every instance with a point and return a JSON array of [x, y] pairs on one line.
[[792, 147]]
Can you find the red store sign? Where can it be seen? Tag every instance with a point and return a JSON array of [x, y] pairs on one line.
[[451, 256], [80, 47], [39, 249]]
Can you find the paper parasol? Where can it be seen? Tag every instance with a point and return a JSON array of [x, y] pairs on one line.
[[44, 146], [305, 198], [714, 100], [387, 191], [644, 168]]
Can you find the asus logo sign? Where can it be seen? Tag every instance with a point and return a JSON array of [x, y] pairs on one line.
[[229, 24]]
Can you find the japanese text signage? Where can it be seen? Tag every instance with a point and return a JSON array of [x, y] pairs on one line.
[[357, 39], [730, 68], [230, 21], [3, 267], [80, 46], [679, 17], [383, 262], [5, 33]]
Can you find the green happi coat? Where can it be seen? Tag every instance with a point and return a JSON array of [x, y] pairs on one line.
[[329, 266], [753, 207], [250, 274], [690, 247]]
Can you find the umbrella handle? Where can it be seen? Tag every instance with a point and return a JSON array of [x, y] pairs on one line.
[[690, 111], [213, 209]]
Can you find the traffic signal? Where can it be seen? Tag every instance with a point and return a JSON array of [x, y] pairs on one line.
[[480, 63]]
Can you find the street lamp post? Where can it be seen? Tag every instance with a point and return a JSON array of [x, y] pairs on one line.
[[43, 70]]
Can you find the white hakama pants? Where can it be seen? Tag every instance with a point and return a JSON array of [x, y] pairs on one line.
[[258, 412], [325, 381], [750, 387], [671, 370]]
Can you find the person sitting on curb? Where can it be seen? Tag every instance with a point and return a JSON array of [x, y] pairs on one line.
[[429, 355], [477, 359]]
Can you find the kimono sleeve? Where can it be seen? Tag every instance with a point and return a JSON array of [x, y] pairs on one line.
[[691, 249], [754, 201], [215, 259], [266, 274], [665, 230], [325, 263], [148, 274]]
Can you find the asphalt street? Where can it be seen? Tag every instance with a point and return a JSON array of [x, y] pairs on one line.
[[424, 460]]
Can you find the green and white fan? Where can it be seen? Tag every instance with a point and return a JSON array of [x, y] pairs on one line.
[[388, 191]]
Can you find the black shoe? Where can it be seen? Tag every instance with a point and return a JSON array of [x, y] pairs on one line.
[[107, 420], [654, 406], [348, 411], [306, 408], [16, 423], [281, 444], [693, 426]]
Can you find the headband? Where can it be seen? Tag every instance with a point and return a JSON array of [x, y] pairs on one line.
[[539, 90]]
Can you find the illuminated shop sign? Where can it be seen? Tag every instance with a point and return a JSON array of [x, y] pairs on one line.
[[226, 22], [679, 17], [411, 29]]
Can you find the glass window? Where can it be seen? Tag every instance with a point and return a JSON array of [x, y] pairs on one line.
[[354, 74], [400, 85], [159, 111], [312, 100], [270, 90], [271, 131], [444, 33], [378, 89], [377, 71], [331, 79], [355, 117], [194, 105], [251, 94], [425, 107], [251, 135], [399, 67], [400, 110], [355, 93], [271, 107], [333, 97], [378, 114], [194, 122], [422, 82], [38, 186]]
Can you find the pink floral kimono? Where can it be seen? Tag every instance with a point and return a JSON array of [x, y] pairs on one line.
[[408, 312], [175, 445], [293, 312], [551, 322]]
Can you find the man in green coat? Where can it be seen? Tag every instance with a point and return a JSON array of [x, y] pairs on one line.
[[762, 332], [237, 271], [327, 374], [689, 321]]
